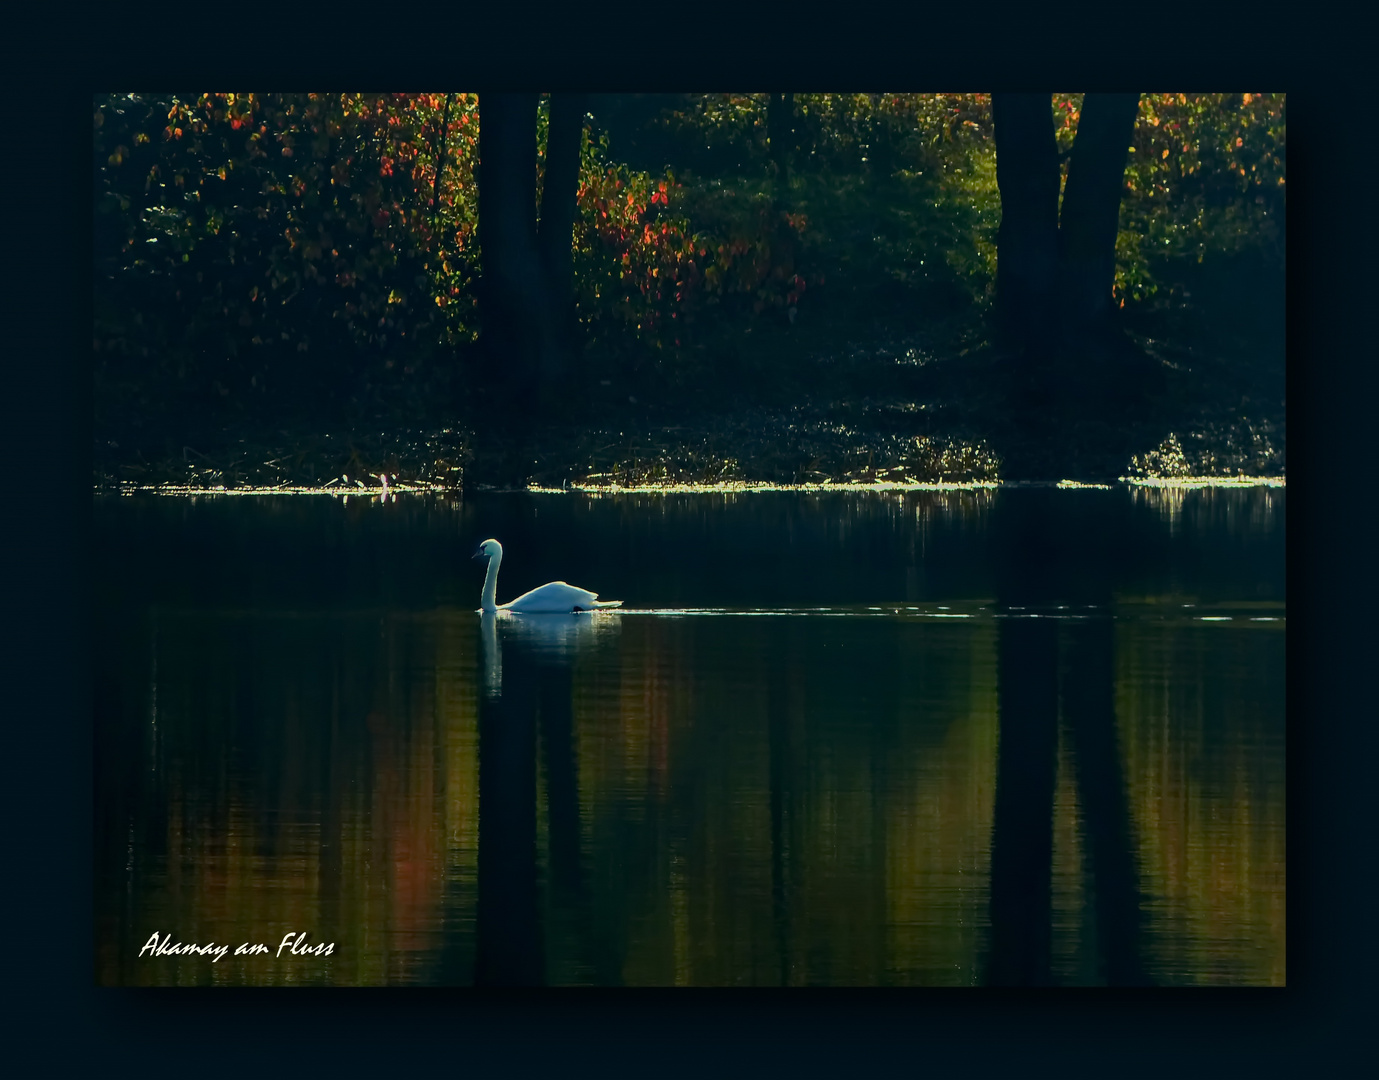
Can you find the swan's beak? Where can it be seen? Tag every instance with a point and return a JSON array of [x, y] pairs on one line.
[[480, 554]]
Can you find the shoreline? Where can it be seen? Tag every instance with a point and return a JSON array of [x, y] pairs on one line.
[[730, 488]]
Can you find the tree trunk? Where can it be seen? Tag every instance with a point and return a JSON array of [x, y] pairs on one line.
[[1091, 210], [512, 279], [555, 235], [1027, 242], [442, 144], [527, 289], [1054, 278], [780, 122]]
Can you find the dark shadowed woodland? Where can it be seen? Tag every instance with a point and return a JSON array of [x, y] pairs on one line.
[[500, 290]]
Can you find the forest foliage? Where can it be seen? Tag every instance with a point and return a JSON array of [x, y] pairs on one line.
[[249, 246]]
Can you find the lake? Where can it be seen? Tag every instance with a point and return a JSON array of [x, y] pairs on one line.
[[949, 737]]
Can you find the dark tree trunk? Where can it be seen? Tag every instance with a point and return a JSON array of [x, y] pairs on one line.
[[1091, 209], [1027, 243], [555, 235], [1054, 277], [880, 155], [442, 143], [527, 289], [780, 123], [512, 280]]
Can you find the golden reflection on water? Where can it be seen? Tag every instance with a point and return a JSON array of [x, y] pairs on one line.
[[794, 799], [744, 816], [1201, 720], [1212, 504], [360, 840]]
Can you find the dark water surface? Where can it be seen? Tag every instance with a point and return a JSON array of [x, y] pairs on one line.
[[938, 738]]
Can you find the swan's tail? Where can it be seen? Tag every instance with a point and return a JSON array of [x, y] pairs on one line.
[[606, 603]]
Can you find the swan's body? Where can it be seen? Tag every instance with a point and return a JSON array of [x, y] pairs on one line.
[[554, 598]]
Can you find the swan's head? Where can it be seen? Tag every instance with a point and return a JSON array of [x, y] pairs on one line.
[[488, 549]]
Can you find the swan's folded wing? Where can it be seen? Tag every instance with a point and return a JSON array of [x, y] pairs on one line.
[[553, 597]]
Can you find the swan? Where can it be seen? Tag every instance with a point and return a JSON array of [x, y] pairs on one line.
[[554, 598]]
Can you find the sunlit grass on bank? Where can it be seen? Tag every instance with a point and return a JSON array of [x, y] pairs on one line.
[[746, 486], [1204, 481], [391, 492], [735, 487]]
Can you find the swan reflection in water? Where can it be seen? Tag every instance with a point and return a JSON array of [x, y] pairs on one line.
[[541, 639]]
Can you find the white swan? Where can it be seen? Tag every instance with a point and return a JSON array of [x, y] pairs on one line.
[[555, 598]]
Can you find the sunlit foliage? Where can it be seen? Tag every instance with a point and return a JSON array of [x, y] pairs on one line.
[[651, 257], [838, 131], [231, 228], [899, 190], [251, 241], [1206, 173]]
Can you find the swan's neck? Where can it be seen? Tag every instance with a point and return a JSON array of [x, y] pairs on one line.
[[487, 603]]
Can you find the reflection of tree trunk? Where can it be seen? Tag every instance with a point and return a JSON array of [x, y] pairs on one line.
[[1089, 707], [1027, 572], [562, 785], [1090, 218], [778, 720], [1027, 243], [1022, 830], [1035, 569], [331, 875], [508, 949]]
